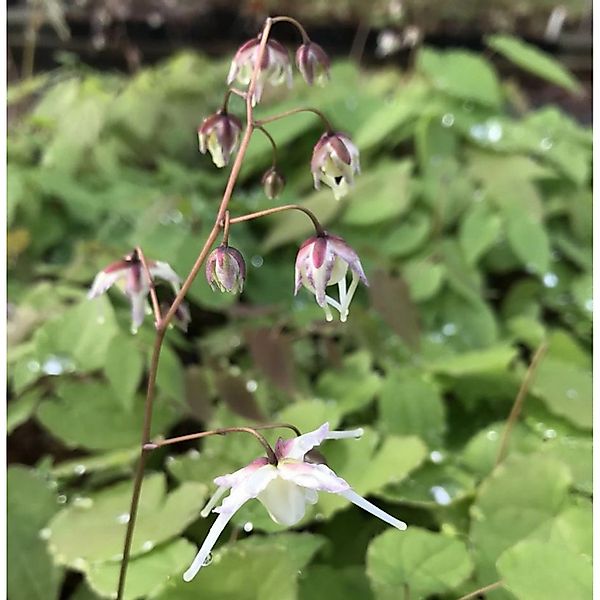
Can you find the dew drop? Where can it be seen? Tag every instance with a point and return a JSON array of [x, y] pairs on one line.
[[194, 454], [33, 366], [550, 280], [550, 434], [572, 394], [448, 120], [440, 495], [62, 499], [208, 560], [79, 469], [123, 518], [147, 546], [436, 457], [257, 261], [449, 329], [45, 533], [251, 385], [248, 526], [492, 435], [81, 502], [546, 144]]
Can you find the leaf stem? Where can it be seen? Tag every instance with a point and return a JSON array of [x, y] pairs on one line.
[[277, 209], [519, 400]]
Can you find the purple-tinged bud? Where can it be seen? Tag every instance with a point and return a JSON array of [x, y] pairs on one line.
[[312, 61], [226, 270], [335, 162], [275, 67], [273, 183], [220, 135], [324, 260]]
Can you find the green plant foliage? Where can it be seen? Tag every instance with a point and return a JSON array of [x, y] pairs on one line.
[[472, 219]]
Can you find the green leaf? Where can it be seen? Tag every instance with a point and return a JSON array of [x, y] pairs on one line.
[[461, 74], [147, 575], [496, 358], [30, 503], [118, 460], [535, 570], [90, 530], [80, 337], [517, 498], [576, 453], [529, 241], [124, 367], [19, 410], [417, 561], [533, 60], [566, 390], [409, 404], [257, 567], [581, 288], [319, 581], [408, 236], [388, 193], [352, 386], [88, 414], [310, 414], [478, 232], [369, 468], [424, 279]]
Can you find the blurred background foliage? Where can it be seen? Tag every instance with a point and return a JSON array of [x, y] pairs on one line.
[[473, 221]]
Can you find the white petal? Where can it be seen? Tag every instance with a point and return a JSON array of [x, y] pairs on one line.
[[369, 507], [104, 280], [285, 501], [311, 476], [213, 501], [241, 493], [138, 308], [164, 271], [299, 446]]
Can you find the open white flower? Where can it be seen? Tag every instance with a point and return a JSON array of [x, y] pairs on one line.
[[128, 274], [284, 488]]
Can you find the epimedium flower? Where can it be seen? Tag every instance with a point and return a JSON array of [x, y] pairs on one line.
[[128, 275], [220, 135], [313, 63], [284, 488], [335, 162], [275, 68], [226, 269], [273, 183], [323, 260]]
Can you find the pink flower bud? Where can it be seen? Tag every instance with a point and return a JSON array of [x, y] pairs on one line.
[[313, 63], [275, 67], [322, 261], [335, 162], [220, 135], [273, 183], [226, 270]]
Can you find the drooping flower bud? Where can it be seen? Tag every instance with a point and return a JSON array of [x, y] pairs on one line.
[[220, 135], [275, 67], [273, 183], [312, 61], [226, 270], [324, 260], [335, 161]]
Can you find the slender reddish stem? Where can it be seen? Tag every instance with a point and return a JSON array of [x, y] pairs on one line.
[[305, 38], [277, 209], [483, 590], [226, 223], [295, 111], [155, 304], [162, 328], [272, 142], [519, 400]]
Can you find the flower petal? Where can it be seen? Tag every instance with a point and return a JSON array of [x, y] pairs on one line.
[[311, 476], [247, 488], [138, 308], [361, 502], [299, 446], [285, 501], [108, 277], [236, 477]]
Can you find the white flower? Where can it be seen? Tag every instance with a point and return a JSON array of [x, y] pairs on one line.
[[128, 274], [335, 162], [324, 260], [284, 488]]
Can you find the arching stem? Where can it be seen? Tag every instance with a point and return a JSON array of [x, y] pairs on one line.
[[277, 209], [295, 111], [271, 140], [297, 25]]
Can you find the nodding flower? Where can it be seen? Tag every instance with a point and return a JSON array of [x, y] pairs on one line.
[[322, 261], [284, 488], [128, 275], [335, 162], [273, 183], [226, 269], [312, 61], [220, 135], [275, 67]]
